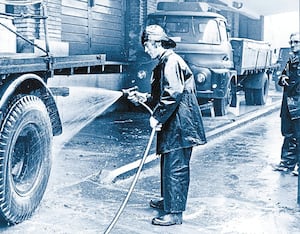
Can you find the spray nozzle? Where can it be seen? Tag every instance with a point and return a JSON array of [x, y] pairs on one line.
[[136, 97], [126, 92]]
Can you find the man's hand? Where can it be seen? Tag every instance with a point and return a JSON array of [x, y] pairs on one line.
[[137, 97], [284, 80], [155, 124]]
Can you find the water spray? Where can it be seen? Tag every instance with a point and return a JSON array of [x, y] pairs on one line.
[[127, 92]]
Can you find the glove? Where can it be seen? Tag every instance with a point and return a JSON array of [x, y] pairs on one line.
[[155, 124], [284, 80], [137, 97]]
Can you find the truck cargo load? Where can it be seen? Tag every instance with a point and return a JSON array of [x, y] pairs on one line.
[[250, 55]]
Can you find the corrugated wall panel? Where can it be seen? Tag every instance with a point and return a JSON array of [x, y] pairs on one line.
[[108, 29], [97, 29], [75, 25]]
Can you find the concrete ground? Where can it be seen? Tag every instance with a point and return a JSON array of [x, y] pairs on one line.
[[233, 186]]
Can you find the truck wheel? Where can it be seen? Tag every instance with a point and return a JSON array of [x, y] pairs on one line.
[[256, 89], [221, 104], [260, 95], [249, 96], [25, 158]]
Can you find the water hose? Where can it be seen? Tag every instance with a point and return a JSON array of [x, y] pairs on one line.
[[113, 222]]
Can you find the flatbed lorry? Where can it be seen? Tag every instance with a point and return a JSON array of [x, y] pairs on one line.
[[29, 119]]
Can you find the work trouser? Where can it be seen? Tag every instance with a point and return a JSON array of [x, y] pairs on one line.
[[175, 179], [290, 150]]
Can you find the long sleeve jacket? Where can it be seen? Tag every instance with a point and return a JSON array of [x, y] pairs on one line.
[[175, 104], [292, 90]]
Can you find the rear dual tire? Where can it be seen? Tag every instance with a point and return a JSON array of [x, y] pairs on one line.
[[257, 96], [256, 93]]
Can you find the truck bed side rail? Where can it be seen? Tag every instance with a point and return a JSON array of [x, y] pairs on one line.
[[69, 65]]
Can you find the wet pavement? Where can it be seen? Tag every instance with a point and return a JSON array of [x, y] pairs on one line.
[[233, 187]]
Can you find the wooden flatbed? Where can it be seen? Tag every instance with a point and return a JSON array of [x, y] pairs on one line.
[[69, 65]]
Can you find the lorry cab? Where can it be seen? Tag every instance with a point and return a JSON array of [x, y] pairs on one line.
[[202, 41], [200, 33]]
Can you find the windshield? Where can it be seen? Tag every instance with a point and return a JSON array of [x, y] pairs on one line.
[[189, 29]]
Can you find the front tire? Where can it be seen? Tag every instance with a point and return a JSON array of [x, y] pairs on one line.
[[25, 158], [221, 104]]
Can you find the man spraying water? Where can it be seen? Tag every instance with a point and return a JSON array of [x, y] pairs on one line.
[[177, 119]]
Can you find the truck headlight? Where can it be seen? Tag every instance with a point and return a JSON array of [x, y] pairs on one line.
[[201, 77], [142, 74]]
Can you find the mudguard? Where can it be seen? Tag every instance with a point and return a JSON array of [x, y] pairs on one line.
[[33, 84]]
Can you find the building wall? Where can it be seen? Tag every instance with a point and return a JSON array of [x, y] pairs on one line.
[[94, 26], [54, 22], [112, 27], [33, 28], [251, 28], [88, 26], [137, 11]]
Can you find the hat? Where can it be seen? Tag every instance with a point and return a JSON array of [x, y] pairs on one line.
[[295, 35], [157, 33]]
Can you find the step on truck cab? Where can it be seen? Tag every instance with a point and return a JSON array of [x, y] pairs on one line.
[[220, 64]]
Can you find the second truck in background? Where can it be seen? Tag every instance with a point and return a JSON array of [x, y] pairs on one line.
[[221, 65]]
